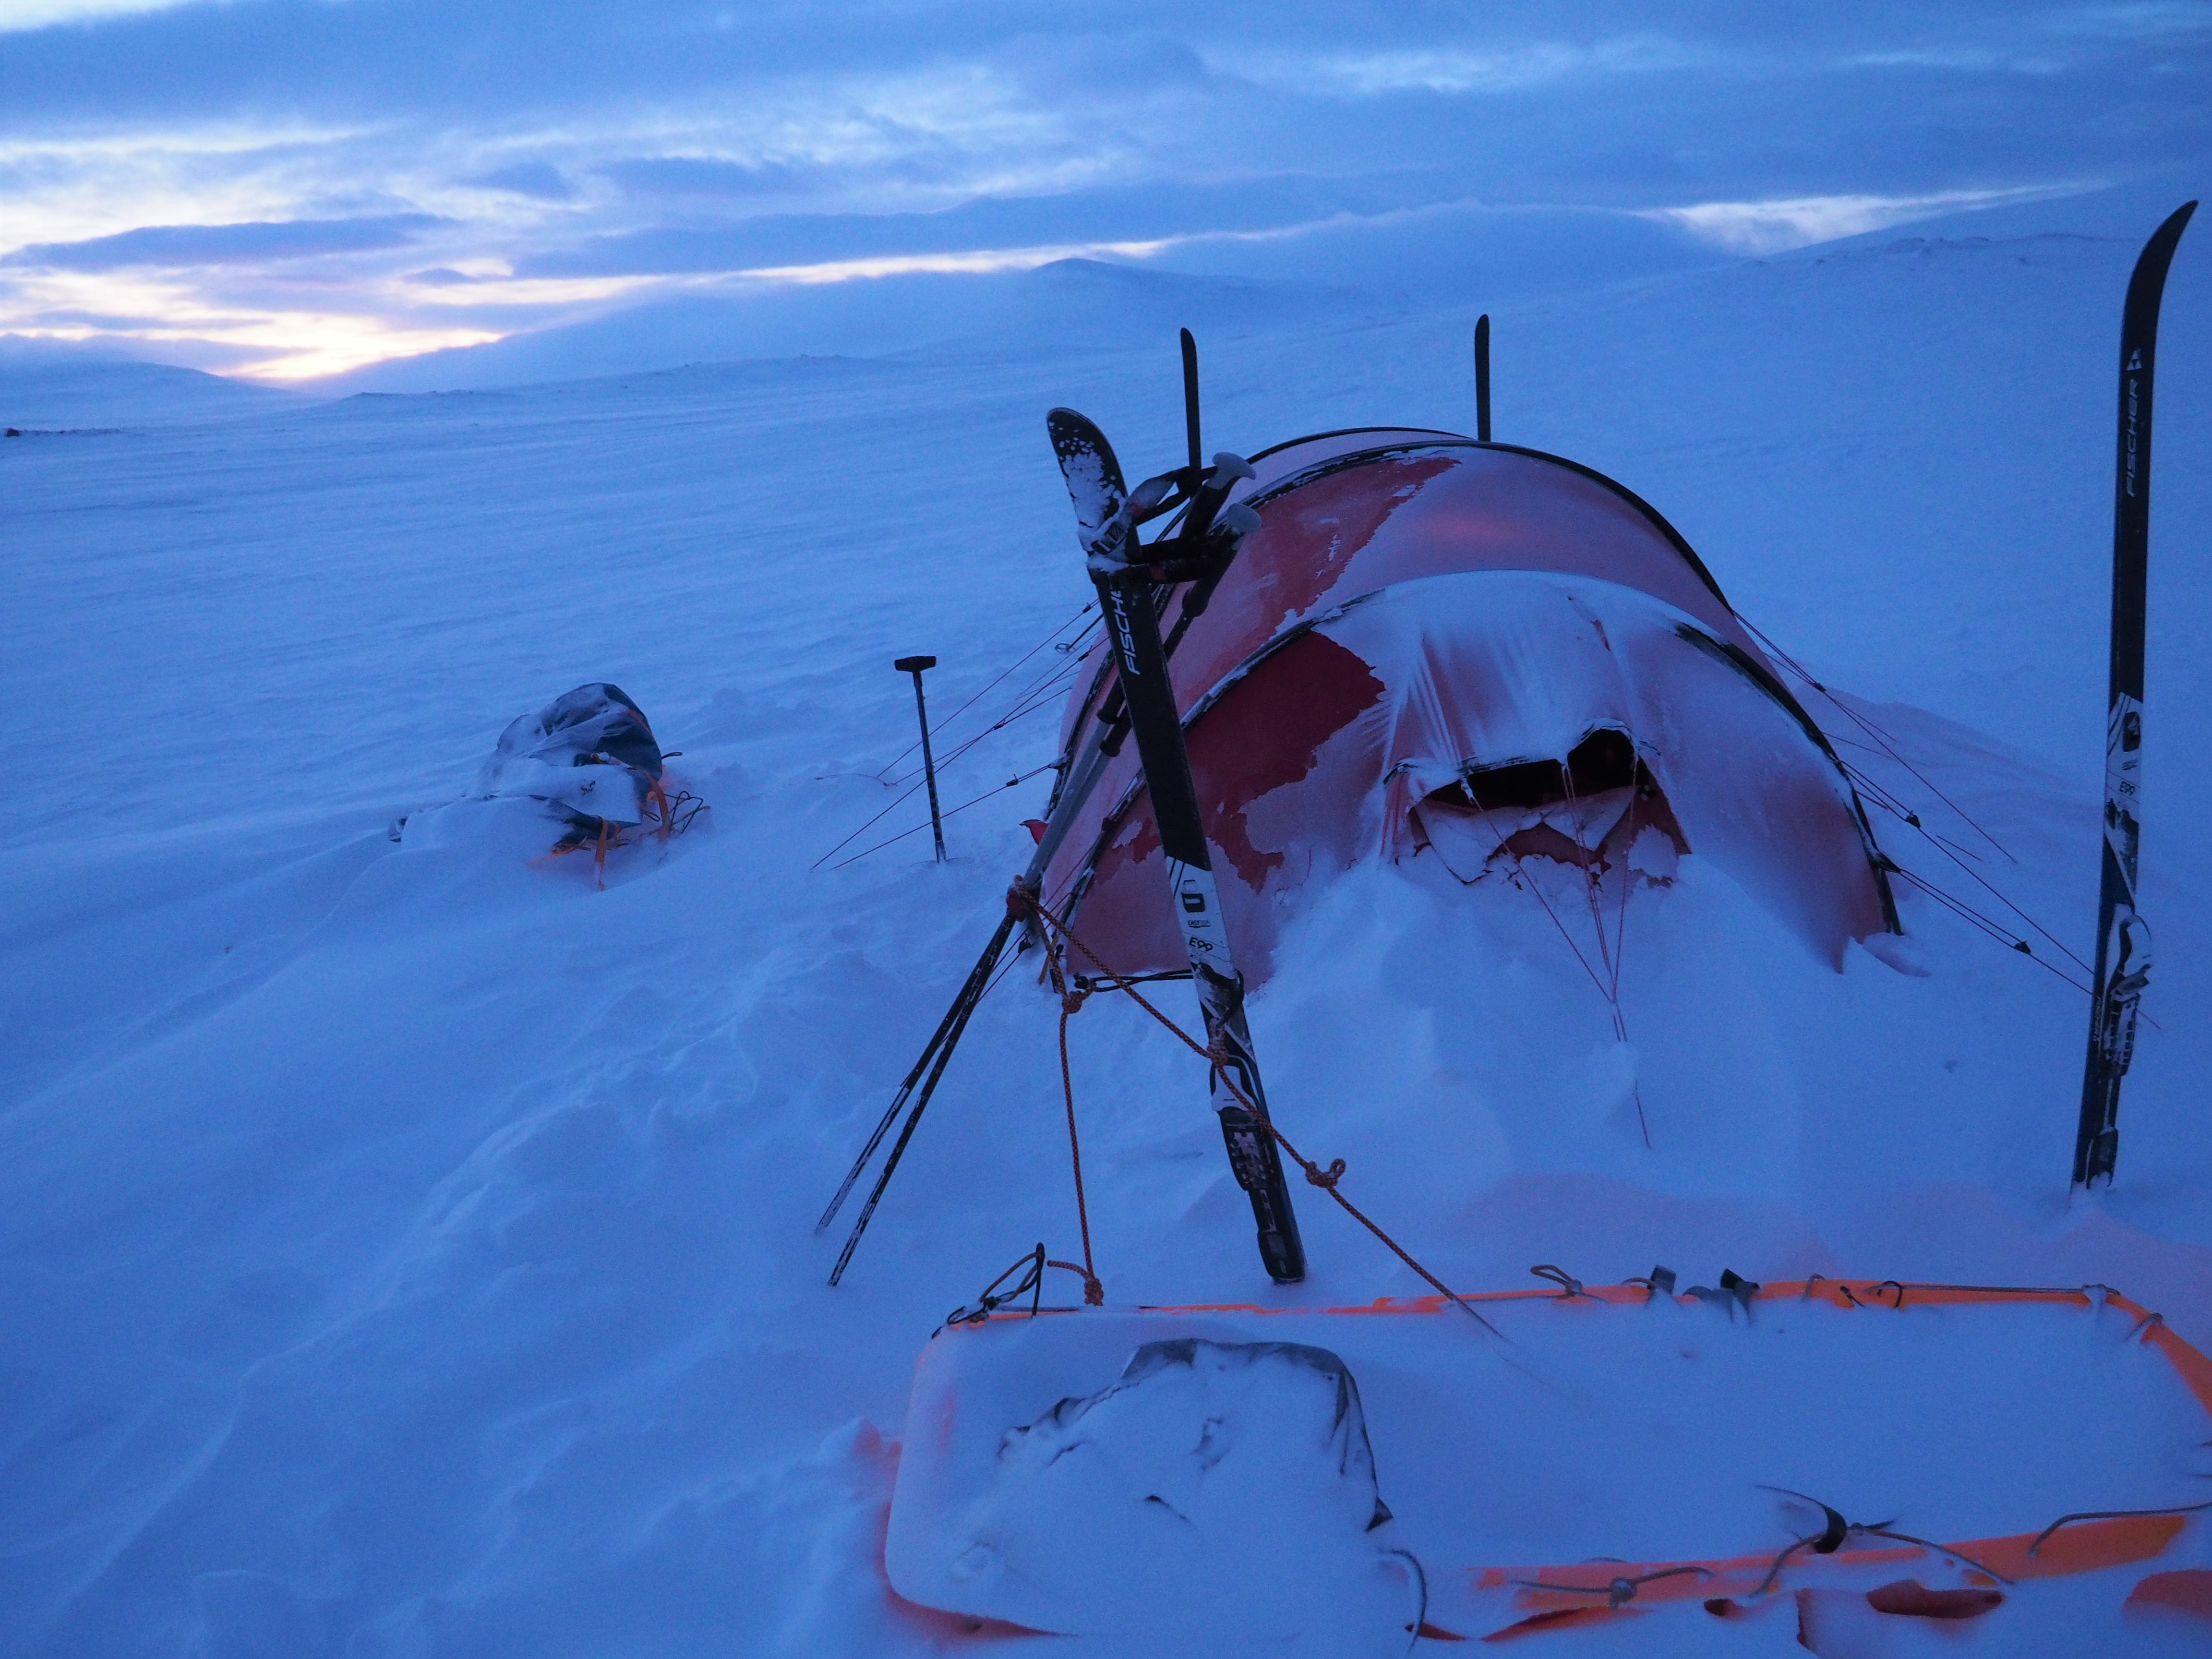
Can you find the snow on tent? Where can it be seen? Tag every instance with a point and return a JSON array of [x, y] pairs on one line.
[[1401, 643], [1390, 644], [1430, 645]]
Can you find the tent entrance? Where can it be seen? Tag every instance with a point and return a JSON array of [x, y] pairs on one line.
[[1599, 808]]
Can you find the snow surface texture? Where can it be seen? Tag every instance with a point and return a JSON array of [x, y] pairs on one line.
[[1210, 1490], [408, 1248]]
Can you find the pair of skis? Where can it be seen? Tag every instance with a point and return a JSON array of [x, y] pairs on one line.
[[1128, 572], [2123, 954], [1132, 577]]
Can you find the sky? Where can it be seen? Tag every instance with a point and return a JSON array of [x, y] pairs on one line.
[[287, 189]]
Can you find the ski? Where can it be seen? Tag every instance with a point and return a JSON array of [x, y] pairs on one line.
[[1095, 482], [2123, 956], [1106, 516]]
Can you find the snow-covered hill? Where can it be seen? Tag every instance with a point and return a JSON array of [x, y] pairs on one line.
[[408, 1248], [47, 388]]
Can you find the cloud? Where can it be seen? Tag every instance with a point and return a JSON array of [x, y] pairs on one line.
[[2149, 19], [973, 261], [711, 176], [1510, 68], [19, 14], [272, 337], [541, 180], [176, 247], [1775, 227], [1152, 212], [295, 159]]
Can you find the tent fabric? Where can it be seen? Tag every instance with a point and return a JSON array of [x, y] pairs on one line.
[[1421, 632]]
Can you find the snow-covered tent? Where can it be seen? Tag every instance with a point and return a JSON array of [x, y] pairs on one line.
[[1432, 645]]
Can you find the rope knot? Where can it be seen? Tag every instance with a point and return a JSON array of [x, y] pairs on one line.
[[1326, 1178], [1568, 1284], [1070, 1002], [1094, 1294]]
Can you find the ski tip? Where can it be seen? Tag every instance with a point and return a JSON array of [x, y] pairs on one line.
[[1090, 471], [1071, 427], [1074, 434], [2148, 283]]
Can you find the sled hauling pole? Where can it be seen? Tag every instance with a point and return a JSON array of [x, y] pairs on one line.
[[913, 665], [2124, 958], [1125, 600], [1482, 378]]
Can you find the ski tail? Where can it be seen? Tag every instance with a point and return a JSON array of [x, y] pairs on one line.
[[1238, 1098], [2122, 965]]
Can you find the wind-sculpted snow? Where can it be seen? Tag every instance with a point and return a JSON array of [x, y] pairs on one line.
[[406, 1248], [1213, 1492]]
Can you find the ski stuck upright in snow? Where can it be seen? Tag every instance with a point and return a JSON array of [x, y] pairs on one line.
[[2123, 954], [1129, 574]]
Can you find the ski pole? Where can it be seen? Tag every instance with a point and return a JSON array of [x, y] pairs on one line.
[[913, 665]]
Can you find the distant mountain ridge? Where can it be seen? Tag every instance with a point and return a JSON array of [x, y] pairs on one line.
[[46, 384], [1073, 298]]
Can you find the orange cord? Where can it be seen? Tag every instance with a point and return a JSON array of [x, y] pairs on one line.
[[1325, 1179], [1093, 1293]]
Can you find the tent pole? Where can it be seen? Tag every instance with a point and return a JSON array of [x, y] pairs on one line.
[[1190, 405], [1482, 378]]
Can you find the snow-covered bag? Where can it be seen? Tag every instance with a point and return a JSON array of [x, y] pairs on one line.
[[589, 756], [589, 760]]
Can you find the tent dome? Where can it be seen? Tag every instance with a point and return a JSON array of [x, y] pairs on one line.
[[1435, 646]]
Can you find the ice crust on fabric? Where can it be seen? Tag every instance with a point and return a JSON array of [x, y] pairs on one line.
[[1214, 1487]]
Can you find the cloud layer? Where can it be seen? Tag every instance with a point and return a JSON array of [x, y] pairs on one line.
[[287, 188]]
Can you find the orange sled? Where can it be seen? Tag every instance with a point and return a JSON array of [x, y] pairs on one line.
[[1344, 1477]]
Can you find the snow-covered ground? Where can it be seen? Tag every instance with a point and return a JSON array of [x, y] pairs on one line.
[[407, 1248]]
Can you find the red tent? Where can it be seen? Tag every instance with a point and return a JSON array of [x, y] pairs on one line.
[[1432, 646]]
